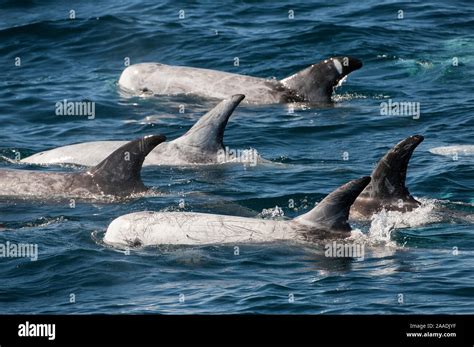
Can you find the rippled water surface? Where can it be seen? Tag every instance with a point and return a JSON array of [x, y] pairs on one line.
[[423, 256]]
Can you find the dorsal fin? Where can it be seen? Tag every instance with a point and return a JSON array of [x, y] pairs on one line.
[[317, 82], [208, 132], [389, 176], [332, 212], [119, 173]]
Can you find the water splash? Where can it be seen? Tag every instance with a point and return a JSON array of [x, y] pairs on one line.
[[348, 96], [272, 213], [425, 214], [384, 223]]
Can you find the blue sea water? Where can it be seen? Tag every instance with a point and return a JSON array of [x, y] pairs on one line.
[[424, 267]]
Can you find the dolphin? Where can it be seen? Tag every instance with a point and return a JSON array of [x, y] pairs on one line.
[[325, 221], [118, 175], [314, 84], [387, 189], [202, 144]]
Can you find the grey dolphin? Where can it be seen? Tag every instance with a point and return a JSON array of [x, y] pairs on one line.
[[200, 145], [314, 84], [387, 188], [117, 175], [328, 220]]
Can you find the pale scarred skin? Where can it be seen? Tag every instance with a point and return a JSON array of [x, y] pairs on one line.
[[328, 220], [315, 84]]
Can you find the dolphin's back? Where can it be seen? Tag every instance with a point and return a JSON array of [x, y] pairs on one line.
[[116, 175], [314, 84], [85, 154], [184, 228], [27, 183], [161, 79], [92, 153]]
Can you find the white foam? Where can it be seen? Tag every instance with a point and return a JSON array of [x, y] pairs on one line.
[[379, 239], [272, 212], [385, 222]]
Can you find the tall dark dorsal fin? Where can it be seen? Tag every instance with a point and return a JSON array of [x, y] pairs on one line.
[[316, 83], [389, 176], [332, 212], [208, 132], [119, 173]]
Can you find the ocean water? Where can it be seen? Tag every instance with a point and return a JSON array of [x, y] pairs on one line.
[[419, 262]]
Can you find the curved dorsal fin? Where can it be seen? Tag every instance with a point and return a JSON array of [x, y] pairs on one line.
[[119, 173], [332, 212], [389, 176], [208, 132]]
